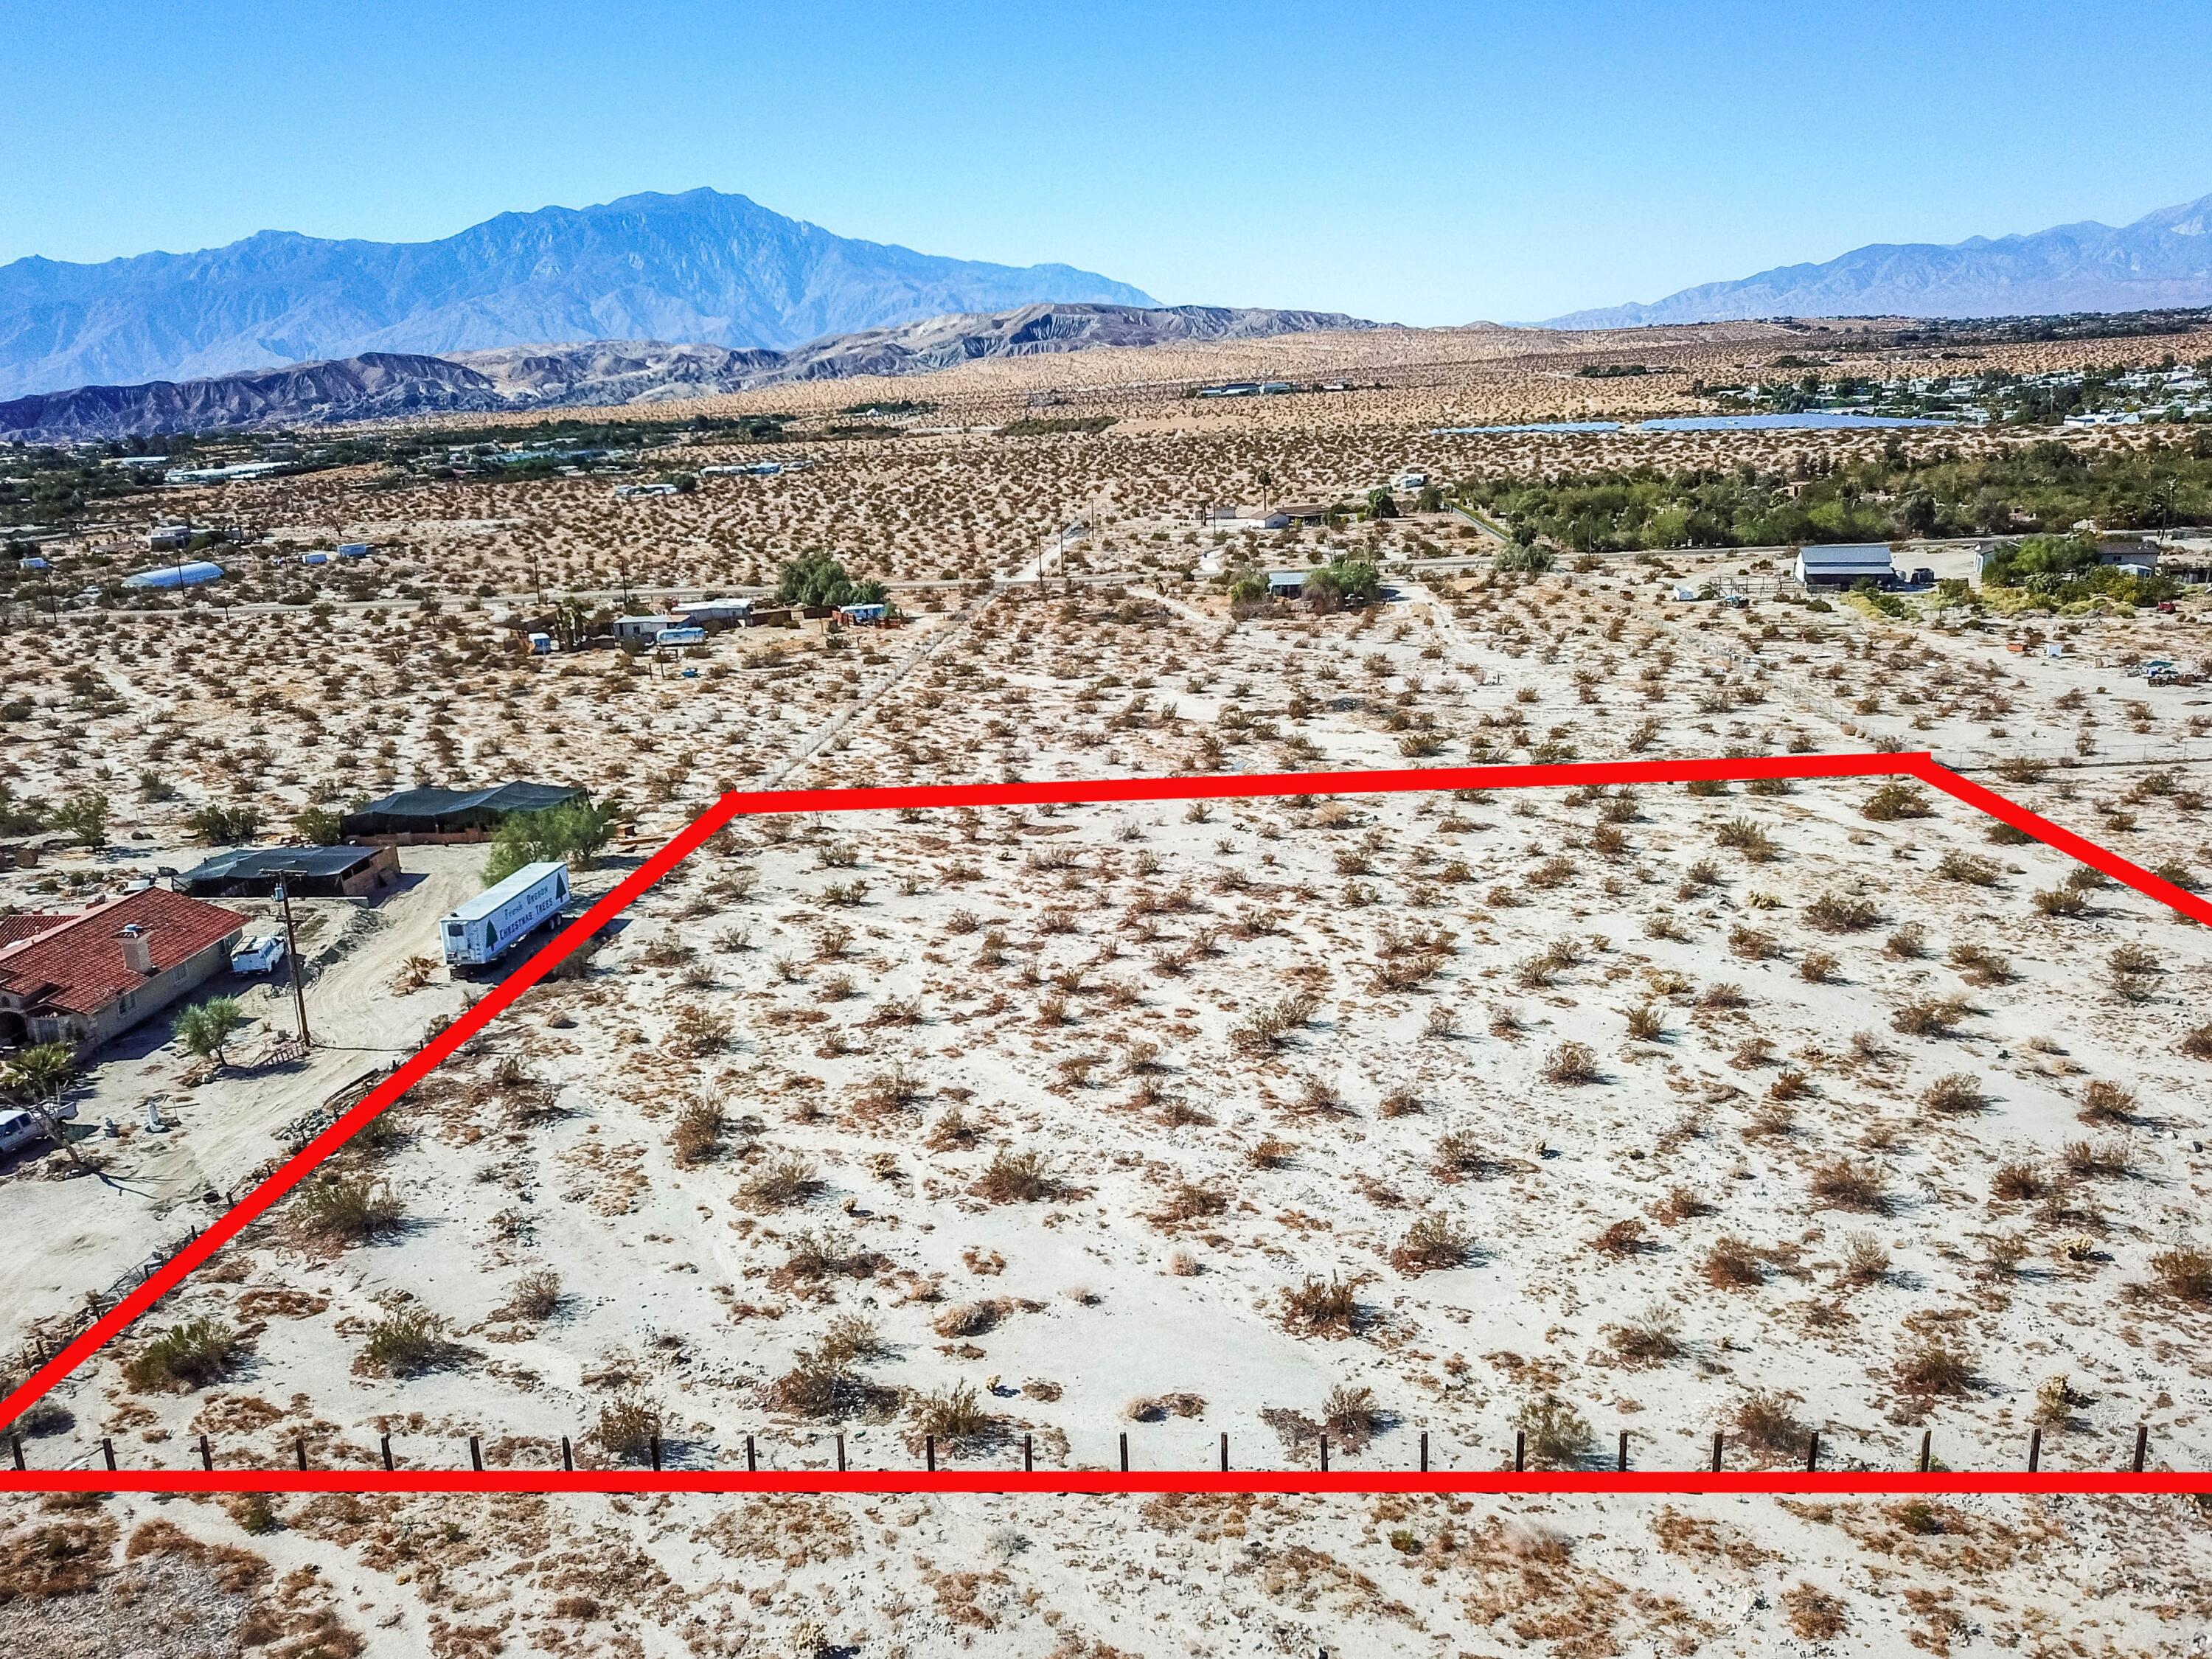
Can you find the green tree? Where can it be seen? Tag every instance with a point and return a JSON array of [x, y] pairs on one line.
[[205, 1028], [574, 833], [1248, 589], [224, 826], [35, 1078], [813, 579], [84, 816], [319, 826], [1381, 504]]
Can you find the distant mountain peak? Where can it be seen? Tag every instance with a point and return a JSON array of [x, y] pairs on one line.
[[704, 265], [2162, 260]]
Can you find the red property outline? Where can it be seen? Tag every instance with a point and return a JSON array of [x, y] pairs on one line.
[[1921, 766]]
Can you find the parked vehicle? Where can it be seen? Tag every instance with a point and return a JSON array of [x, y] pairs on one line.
[[257, 956], [19, 1129], [490, 924]]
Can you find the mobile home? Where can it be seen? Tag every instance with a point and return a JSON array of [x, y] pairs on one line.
[[490, 924]]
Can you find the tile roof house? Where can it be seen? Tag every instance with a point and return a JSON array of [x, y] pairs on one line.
[[84, 978]]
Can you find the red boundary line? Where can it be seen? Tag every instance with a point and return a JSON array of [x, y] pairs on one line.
[[1198, 786]]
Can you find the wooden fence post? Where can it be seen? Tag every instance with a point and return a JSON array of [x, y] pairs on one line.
[[2143, 1445], [1520, 1450], [567, 1456], [1125, 1452], [2034, 1449], [1927, 1459], [384, 1450], [107, 1451], [475, 1454], [840, 1451], [1324, 1453], [207, 1455], [1029, 1453], [752, 1457], [1621, 1456], [1812, 1451], [1425, 1451], [1225, 1451], [929, 1453], [15, 1446], [655, 1450], [1716, 1451], [300, 1451]]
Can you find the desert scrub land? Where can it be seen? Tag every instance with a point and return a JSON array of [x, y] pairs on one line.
[[1761, 1109]]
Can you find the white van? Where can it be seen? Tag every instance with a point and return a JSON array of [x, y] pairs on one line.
[[491, 924], [19, 1130]]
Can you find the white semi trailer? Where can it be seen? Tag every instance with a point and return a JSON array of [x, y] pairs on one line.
[[489, 925]]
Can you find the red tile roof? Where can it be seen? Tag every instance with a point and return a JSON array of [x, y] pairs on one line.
[[77, 964], [26, 924]]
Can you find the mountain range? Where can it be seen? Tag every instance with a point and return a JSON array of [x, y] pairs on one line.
[[702, 266], [601, 373], [2163, 259]]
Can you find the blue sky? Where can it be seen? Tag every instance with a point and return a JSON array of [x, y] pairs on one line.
[[1422, 163]]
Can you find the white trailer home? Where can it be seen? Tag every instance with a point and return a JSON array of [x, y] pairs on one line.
[[488, 926]]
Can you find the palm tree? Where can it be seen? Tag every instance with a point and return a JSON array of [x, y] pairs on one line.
[[36, 1077]]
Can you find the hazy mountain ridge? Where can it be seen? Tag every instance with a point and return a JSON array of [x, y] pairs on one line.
[[2163, 259], [602, 372], [701, 266]]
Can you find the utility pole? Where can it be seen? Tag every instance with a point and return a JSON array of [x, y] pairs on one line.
[[292, 955]]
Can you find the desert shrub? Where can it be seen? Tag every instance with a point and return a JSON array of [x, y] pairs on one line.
[[1647, 1022], [349, 1208], [1557, 1435], [2196, 1043], [1897, 800], [786, 1179], [1764, 1422], [1433, 1243], [697, 1136], [1399, 1102], [1013, 1177], [1752, 944], [1977, 965], [1320, 1307], [1272, 1026], [2106, 1102], [1968, 867], [953, 1413], [1742, 836], [1930, 1015], [1931, 1367], [2184, 1272], [1908, 944], [1651, 1338], [1459, 1155], [1818, 967], [628, 1429], [1814, 1615], [1571, 1064], [1957, 1092], [968, 1318], [2017, 1180], [1350, 1416], [184, 1358], [1865, 1261], [1834, 913], [1623, 1238], [536, 1295], [1843, 1185], [405, 1342], [2062, 903], [1733, 1264]]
